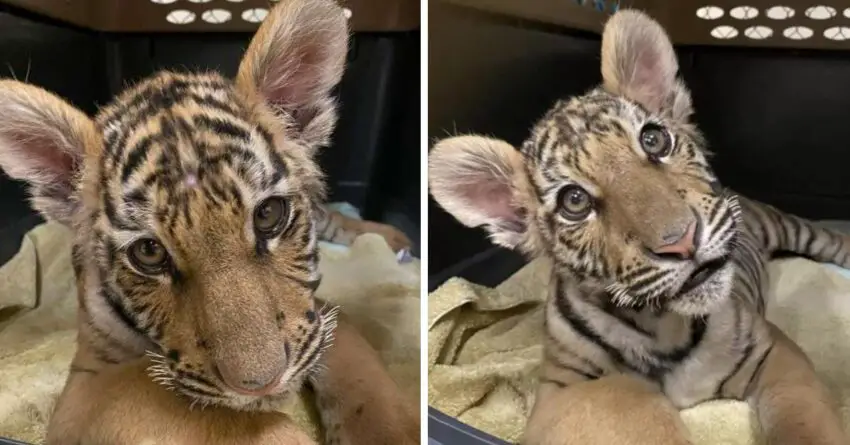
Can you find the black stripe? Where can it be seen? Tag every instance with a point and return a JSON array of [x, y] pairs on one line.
[[724, 219], [222, 127], [75, 368], [115, 146], [111, 142], [698, 328], [190, 375], [293, 223], [312, 285], [156, 96], [594, 368], [195, 390], [277, 161], [112, 214], [137, 198], [308, 342], [310, 359], [76, 260], [610, 308], [573, 369], [307, 257], [793, 232], [582, 327], [740, 364], [808, 249], [554, 382], [138, 154], [747, 351], [167, 128], [217, 191], [647, 282], [757, 370], [118, 308], [212, 102]]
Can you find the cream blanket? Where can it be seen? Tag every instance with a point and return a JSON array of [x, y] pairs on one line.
[[484, 348], [38, 310]]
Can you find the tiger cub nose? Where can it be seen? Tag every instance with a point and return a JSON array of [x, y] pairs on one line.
[[679, 244], [257, 386]]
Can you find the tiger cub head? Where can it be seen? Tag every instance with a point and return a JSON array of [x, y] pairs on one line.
[[613, 185], [193, 198]]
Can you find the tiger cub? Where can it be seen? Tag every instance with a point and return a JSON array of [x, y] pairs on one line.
[[197, 207], [657, 296]]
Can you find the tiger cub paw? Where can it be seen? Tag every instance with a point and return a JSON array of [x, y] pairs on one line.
[[395, 238]]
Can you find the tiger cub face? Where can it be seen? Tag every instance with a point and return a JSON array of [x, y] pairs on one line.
[[613, 185], [192, 198]]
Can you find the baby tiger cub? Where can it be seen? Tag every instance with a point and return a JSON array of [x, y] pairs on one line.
[[658, 288], [196, 207]]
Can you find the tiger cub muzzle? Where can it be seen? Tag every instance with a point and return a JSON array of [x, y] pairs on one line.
[[690, 271]]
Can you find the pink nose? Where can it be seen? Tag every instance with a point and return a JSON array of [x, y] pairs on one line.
[[251, 387], [684, 246]]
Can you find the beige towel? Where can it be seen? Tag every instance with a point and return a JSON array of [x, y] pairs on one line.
[[484, 348], [38, 310]]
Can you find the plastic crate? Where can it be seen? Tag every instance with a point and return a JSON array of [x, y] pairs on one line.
[[209, 15], [513, 59], [114, 42]]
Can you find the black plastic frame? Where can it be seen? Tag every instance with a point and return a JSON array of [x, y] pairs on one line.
[[446, 430]]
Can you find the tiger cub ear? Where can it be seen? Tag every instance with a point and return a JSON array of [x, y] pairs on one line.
[[638, 62], [481, 182], [43, 141], [294, 60]]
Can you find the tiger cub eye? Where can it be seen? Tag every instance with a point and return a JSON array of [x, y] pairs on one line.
[[148, 255], [270, 217], [575, 203], [655, 141]]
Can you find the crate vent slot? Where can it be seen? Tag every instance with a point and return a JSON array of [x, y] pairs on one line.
[[798, 32], [255, 15], [180, 17], [821, 12], [780, 12], [724, 32], [840, 33], [744, 12], [710, 12], [216, 16], [758, 32]]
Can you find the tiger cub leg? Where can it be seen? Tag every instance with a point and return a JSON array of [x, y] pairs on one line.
[[122, 405], [616, 409], [335, 227], [358, 401], [792, 405]]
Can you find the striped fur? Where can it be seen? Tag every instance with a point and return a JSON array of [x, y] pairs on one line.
[[185, 162], [623, 298]]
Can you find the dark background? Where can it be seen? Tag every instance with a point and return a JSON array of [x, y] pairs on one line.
[[778, 121], [374, 162]]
